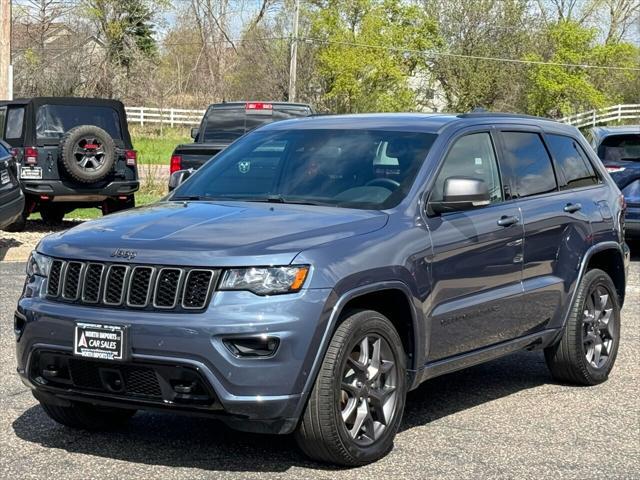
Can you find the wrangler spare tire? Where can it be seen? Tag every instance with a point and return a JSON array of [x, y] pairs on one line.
[[88, 153]]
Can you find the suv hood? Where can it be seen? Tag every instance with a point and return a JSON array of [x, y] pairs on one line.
[[211, 233]]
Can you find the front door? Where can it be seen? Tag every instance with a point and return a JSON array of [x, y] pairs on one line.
[[477, 258]]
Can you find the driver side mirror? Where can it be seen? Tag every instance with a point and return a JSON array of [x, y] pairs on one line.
[[178, 178], [194, 132], [461, 193]]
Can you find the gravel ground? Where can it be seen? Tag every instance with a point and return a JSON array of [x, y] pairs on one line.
[[506, 419], [16, 246]]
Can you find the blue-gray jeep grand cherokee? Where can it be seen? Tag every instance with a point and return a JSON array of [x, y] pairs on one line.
[[316, 270]]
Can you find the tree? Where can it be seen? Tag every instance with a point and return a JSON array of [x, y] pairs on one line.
[[476, 29], [556, 90], [366, 52]]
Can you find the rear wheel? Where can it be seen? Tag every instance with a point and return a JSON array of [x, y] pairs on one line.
[[587, 350], [52, 214], [86, 416], [112, 205], [356, 405]]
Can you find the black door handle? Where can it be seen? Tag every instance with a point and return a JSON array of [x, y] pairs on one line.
[[572, 207], [506, 221]]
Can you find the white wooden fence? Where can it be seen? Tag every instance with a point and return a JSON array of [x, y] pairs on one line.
[[615, 113], [165, 116], [178, 116]]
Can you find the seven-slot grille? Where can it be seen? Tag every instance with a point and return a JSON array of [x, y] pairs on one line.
[[131, 286]]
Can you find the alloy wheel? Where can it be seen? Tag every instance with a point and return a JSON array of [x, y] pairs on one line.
[[597, 333], [89, 153], [369, 394]]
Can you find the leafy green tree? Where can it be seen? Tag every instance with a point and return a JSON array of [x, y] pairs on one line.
[[557, 90], [366, 52], [474, 30]]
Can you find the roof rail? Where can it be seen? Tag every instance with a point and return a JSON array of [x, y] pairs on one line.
[[477, 114]]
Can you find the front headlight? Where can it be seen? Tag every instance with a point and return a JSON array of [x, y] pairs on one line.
[[38, 264], [265, 280]]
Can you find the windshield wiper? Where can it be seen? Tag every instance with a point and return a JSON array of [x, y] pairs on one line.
[[281, 199]]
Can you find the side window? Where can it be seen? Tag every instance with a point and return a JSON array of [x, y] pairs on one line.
[[572, 162], [3, 116], [529, 164], [15, 119], [471, 156]]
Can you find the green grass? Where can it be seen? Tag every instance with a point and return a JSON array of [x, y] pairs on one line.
[[155, 148], [91, 213]]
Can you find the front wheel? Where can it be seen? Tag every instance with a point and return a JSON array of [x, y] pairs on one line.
[[587, 350], [356, 405]]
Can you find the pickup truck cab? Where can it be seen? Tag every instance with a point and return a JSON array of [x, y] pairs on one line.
[[225, 122]]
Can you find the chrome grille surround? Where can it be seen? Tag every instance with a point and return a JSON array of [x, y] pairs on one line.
[[139, 287]]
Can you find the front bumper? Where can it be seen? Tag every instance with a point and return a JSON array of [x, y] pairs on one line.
[[56, 188], [255, 394]]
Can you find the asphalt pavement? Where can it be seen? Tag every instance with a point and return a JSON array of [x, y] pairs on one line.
[[504, 419]]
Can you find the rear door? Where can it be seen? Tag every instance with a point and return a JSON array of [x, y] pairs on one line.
[[556, 224], [477, 262]]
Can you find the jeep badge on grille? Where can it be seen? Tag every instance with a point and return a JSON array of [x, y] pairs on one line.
[[126, 254]]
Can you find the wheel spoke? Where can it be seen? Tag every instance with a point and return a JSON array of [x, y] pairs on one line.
[[364, 351], [361, 416], [378, 399], [349, 388], [356, 365], [351, 406], [603, 299], [589, 338], [597, 352], [368, 426]]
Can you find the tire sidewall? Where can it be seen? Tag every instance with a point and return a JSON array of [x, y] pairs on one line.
[[592, 279], [69, 163], [367, 323]]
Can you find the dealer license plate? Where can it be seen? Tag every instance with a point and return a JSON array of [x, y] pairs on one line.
[[104, 342], [31, 173]]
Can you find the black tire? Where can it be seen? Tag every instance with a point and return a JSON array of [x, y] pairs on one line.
[[97, 166], [19, 225], [113, 205], [568, 359], [52, 214], [88, 417], [322, 433]]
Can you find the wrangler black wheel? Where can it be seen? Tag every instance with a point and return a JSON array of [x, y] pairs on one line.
[[356, 405], [88, 153]]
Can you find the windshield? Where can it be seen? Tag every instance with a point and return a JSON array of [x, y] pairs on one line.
[[369, 169], [620, 147], [53, 121], [226, 124]]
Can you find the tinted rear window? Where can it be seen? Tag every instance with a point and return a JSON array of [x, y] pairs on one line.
[[529, 163], [15, 122], [617, 148], [53, 121], [226, 124], [572, 162]]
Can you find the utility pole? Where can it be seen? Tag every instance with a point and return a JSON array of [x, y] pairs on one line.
[[293, 67], [5, 49]]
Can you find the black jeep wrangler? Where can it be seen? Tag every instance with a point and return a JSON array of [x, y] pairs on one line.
[[71, 153]]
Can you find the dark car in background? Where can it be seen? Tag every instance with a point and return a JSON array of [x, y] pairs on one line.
[[619, 150], [11, 196], [70, 153], [225, 122]]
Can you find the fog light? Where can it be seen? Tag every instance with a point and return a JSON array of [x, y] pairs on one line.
[[262, 346]]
